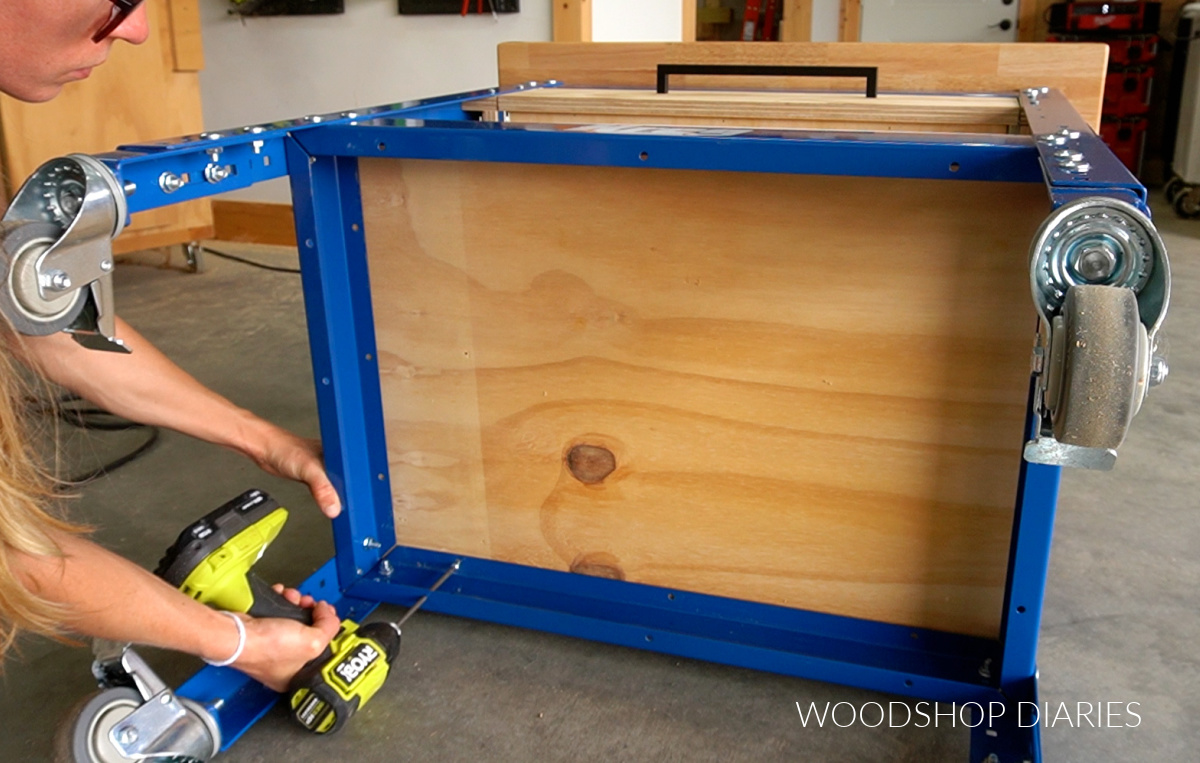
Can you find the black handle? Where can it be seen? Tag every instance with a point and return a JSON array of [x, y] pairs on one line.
[[871, 73], [267, 603]]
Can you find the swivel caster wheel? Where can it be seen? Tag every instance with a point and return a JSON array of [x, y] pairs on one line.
[[87, 735], [1186, 202], [1172, 187], [1102, 380]]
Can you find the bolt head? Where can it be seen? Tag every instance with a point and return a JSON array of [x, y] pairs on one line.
[[59, 280], [1096, 263], [169, 182], [1158, 370], [127, 736]]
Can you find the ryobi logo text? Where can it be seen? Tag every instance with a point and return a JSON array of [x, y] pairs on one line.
[[353, 664]]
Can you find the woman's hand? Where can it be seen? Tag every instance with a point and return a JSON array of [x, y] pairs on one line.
[[283, 454], [276, 649]]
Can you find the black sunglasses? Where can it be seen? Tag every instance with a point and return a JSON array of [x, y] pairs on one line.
[[120, 12]]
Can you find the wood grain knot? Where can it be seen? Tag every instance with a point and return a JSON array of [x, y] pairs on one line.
[[590, 464], [598, 564]]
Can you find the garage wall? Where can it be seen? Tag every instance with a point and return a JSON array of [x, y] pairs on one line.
[[637, 20], [265, 69]]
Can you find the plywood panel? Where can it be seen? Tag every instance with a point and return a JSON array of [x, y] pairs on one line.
[[811, 389], [566, 105], [137, 95], [1077, 70]]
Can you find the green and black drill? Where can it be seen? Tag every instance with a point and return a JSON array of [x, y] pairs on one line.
[[212, 562]]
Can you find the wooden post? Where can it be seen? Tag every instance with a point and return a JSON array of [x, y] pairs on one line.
[[850, 26], [689, 21], [797, 21], [573, 21], [186, 43]]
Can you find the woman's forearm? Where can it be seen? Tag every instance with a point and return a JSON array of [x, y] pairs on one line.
[[109, 597], [146, 386]]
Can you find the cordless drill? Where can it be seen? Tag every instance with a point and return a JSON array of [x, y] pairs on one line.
[[211, 561], [330, 689]]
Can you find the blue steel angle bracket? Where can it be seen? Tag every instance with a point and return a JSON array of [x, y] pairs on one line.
[[1075, 161], [160, 173]]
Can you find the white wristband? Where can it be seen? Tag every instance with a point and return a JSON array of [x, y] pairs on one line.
[[241, 643]]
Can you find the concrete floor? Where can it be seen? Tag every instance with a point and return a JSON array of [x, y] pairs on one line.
[[1120, 621]]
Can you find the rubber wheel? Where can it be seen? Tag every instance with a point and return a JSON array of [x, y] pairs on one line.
[[1186, 202], [20, 247], [83, 737], [1098, 391], [1172, 187]]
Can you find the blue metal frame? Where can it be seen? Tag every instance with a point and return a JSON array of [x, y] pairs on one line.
[[321, 156]]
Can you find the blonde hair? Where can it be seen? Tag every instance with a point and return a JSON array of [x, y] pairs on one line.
[[26, 525]]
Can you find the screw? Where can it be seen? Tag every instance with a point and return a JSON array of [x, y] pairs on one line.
[[985, 670], [1158, 370], [1082, 168], [106, 265], [129, 188], [169, 182], [371, 543], [215, 173], [58, 280], [127, 736], [993, 758], [386, 569], [1096, 263]]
